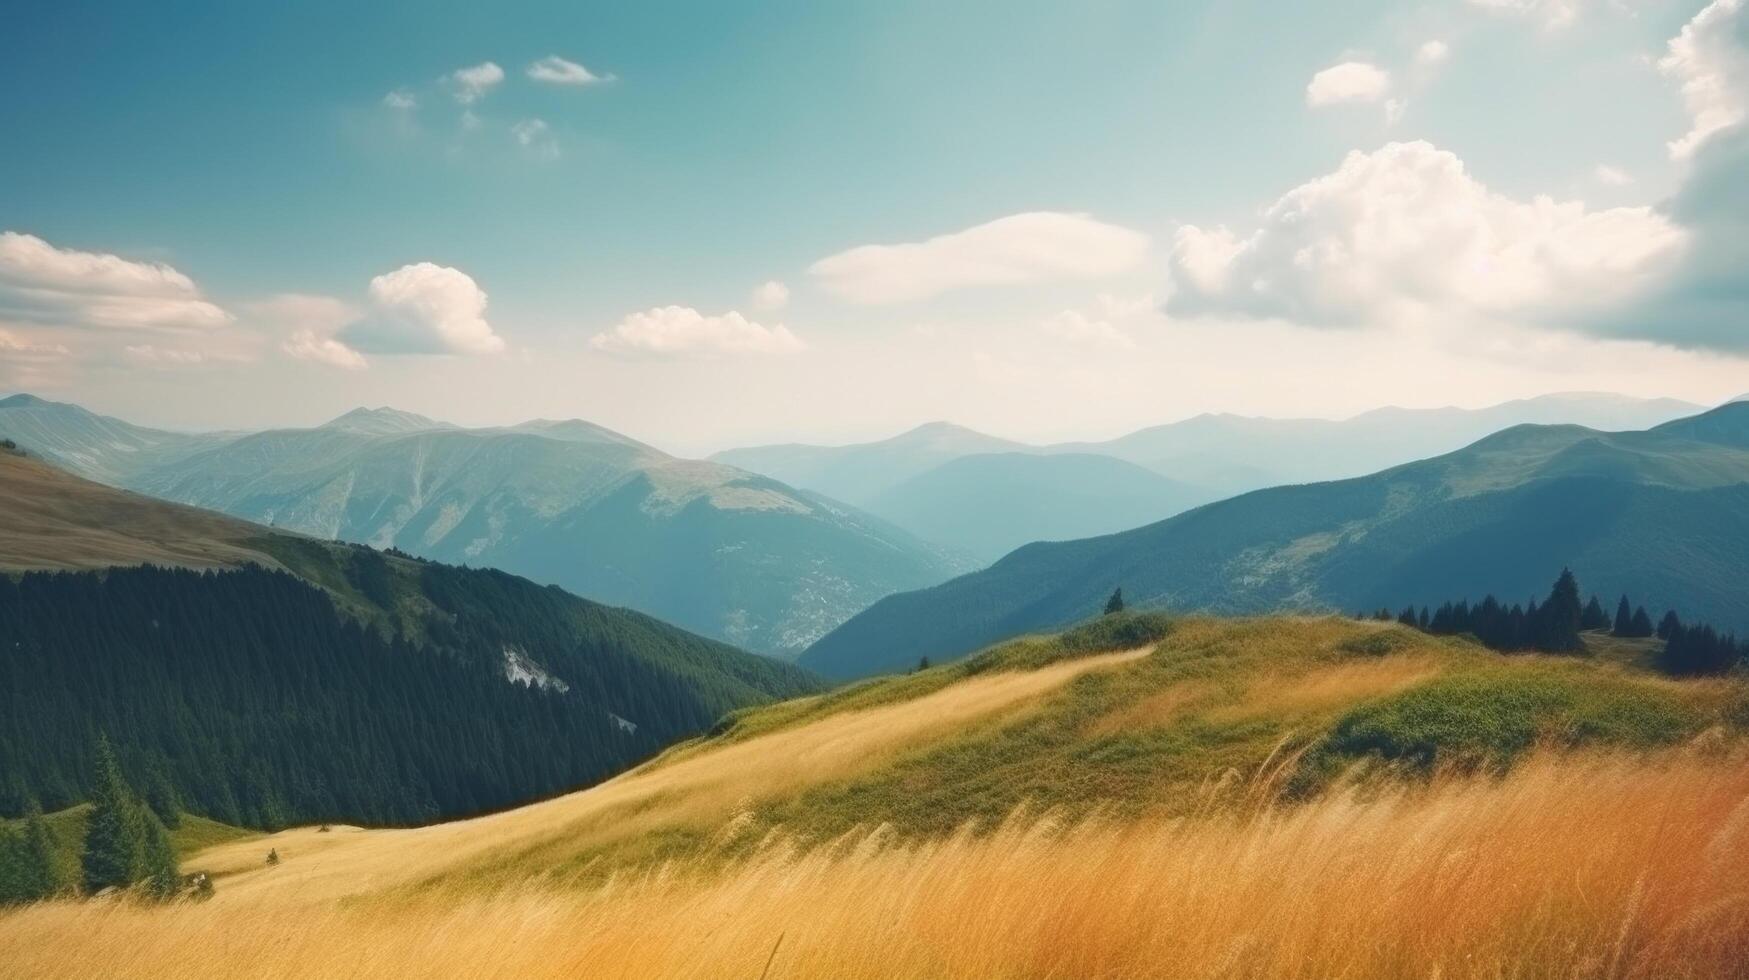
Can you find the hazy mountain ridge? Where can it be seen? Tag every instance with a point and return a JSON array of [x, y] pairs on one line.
[[1662, 514], [716, 549], [916, 481]]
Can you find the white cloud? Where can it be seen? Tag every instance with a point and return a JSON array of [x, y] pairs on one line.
[[1406, 228], [1610, 176], [472, 83], [1432, 53], [1553, 14], [555, 70], [1394, 109], [401, 99], [1351, 81], [535, 136], [424, 308], [681, 330], [1711, 60], [309, 324], [308, 345], [72, 288], [772, 295], [1078, 328], [1022, 248]]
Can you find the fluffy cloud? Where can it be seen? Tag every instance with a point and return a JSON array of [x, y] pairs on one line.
[[1351, 81], [52, 285], [1704, 302], [1432, 53], [771, 295], [1710, 58], [1022, 248], [681, 331], [424, 308], [471, 84], [1610, 176], [1407, 228], [401, 99], [555, 70]]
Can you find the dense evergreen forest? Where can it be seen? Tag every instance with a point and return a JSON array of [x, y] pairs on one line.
[[250, 697]]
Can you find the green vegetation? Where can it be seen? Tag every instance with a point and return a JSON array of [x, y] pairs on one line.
[[249, 697], [1492, 715], [116, 841]]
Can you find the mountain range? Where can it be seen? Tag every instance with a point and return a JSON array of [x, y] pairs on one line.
[[1660, 514], [944, 483], [711, 548]]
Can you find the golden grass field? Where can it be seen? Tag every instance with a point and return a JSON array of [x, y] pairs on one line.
[[1580, 861]]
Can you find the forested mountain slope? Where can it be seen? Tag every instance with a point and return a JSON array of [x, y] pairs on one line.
[[1663, 514], [340, 684]]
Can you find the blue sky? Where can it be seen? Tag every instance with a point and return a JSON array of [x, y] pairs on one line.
[[594, 249]]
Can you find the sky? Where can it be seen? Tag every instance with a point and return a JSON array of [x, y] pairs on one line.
[[708, 224]]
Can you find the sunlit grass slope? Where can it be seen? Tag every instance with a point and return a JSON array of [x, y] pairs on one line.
[[1271, 797]]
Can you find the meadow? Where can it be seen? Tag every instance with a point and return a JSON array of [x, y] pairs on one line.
[[1250, 798]]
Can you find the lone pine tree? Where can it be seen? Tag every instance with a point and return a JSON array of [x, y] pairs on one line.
[[115, 834]]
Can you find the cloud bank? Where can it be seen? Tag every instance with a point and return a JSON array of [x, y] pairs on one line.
[[1039, 246]]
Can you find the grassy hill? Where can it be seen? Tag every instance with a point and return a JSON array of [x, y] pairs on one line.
[[1140, 796], [269, 676], [1661, 514]]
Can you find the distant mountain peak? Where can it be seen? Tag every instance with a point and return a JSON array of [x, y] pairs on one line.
[[23, 400], [382, 421]]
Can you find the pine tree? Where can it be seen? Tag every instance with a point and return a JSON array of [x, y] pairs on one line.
[[1593, 618], [161, 798], [1624, 619], [1115, 603], [43, 854], [161, 875], [1557, 620], [1641, 625], [1668, 625], [114, 833]]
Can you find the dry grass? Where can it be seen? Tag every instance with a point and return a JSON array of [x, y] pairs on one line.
[[50, 519], [1162, 859], [1597, 867], [634, 815]]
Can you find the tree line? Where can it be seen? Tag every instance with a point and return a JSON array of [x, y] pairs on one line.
[[1555, 625], [126, 845]]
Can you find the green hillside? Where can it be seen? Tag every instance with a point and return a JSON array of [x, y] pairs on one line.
[[1662, 514], [307, 680]]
